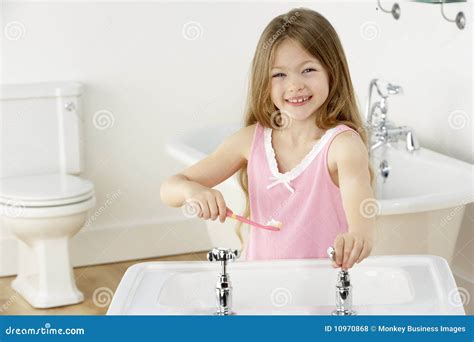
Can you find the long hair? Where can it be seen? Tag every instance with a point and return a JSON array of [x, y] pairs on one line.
[[317, 36]]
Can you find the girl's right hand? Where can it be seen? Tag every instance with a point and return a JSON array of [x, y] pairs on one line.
[[206, 202]]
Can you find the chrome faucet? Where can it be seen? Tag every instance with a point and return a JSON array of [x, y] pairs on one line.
[[343, 290], [223, 286], [380, 130]]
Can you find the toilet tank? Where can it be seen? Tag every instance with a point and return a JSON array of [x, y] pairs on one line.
[[40, 128]]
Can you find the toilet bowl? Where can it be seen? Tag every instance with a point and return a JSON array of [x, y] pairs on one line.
[[44, 212]]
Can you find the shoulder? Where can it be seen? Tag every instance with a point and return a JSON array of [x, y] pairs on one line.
[[245, 134], [248, 132], [348, 147]]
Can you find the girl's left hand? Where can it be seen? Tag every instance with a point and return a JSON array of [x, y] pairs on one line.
[[351, 248]]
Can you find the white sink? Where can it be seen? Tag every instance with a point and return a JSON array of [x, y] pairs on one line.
[[382, 285]]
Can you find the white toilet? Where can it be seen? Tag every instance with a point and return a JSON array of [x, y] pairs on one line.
[[43, 201]]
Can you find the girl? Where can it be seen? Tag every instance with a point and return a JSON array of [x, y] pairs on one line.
[[302, 154]]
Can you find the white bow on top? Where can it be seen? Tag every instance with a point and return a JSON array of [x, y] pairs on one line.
[[281, 179]]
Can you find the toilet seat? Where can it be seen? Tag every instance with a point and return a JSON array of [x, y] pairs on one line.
[[45, 203], [45, 190]]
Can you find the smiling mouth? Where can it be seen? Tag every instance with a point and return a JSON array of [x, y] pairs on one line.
[[298, 101]]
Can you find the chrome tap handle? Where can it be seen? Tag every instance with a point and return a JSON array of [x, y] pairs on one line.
[[384, 88], [343, 290], [223, 288], [223, 255], [331, 253]]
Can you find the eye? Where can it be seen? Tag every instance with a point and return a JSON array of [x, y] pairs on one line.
[[308, 70], [280, 74]]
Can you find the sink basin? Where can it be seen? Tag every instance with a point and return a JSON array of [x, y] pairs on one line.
[[381, 285]]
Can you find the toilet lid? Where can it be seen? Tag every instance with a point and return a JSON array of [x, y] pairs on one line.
[[44, 188]]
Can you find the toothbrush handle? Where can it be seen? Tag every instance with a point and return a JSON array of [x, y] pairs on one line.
[[233, 215]]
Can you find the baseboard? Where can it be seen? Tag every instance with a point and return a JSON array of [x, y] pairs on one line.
[[128, 241]]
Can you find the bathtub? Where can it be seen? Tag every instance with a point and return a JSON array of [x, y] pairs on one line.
[[420, 205], [381, 285]]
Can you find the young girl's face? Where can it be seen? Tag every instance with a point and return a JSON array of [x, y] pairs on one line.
[[299, 83]]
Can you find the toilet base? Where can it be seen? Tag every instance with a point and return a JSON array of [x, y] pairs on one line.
[[26, 288], [46, 278], [45, 275]]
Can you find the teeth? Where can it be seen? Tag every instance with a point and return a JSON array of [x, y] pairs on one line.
[[299, 100]]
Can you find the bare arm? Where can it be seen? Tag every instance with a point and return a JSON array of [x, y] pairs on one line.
[[196, 182], [358, 200]]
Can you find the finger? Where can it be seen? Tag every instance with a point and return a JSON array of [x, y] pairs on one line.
[[365, 252], [197, 206], [339, 249], [213, 208], [348, 243], [205, 210], [222, 207], [355, 254], [334, 265]]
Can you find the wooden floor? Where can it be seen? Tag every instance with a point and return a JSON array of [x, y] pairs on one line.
[[103, 279]]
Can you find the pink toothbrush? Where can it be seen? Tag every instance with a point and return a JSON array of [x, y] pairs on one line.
[[272, 225]]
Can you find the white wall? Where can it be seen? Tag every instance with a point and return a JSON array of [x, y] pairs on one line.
[[136, 64]]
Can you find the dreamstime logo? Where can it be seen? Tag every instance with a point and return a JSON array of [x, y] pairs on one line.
[[103, 119], [13, 209], [280, 31], [102, 297], [280, 120], [281, 297], [369, 30], [191, 208], [14, 30], [4, 307], [110, 199], [192, 30], [459, 296], [369, 208], [453, 213], [458, 119]]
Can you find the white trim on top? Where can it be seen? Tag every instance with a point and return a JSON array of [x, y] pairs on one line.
[[285, 178]]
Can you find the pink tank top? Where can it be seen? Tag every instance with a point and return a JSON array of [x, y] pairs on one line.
[[305, 200]]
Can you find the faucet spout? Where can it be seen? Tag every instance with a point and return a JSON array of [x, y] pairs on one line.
[[379, 130]]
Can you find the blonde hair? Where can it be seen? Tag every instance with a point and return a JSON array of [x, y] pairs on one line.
[[317, 36]]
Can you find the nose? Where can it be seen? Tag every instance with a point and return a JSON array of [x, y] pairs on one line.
[[295, 84]]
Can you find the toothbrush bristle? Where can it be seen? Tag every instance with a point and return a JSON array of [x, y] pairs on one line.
[[275, 223]]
